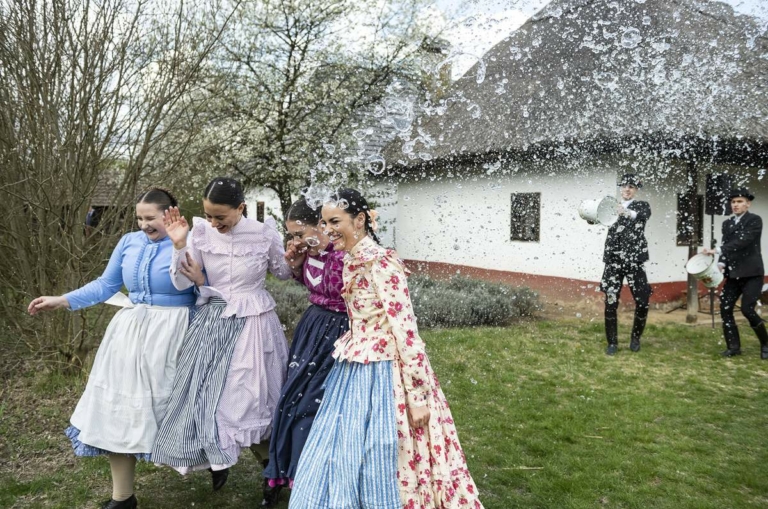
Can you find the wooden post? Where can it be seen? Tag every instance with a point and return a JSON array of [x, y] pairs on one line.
[[692, 192]]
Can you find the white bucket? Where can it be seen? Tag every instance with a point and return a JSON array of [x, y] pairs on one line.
[[704, 268], [601, 211]]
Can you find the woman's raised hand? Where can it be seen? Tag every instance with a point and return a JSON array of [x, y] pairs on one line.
[[176, 226], [47, 304], [295, 255]]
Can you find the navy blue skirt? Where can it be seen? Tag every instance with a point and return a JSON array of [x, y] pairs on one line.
[[310, 362]]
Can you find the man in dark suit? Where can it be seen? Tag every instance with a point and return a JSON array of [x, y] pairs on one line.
[[741, 261], [626, 250]]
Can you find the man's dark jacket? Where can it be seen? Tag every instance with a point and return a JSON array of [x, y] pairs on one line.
[[740, 249], [626, 242]]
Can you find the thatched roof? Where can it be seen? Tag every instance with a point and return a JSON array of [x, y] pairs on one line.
[[611, 73]]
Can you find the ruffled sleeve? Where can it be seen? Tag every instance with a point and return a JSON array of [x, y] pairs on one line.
[[277, 264], [389, 280]]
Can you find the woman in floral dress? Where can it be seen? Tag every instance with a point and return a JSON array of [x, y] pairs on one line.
[[384, 436]]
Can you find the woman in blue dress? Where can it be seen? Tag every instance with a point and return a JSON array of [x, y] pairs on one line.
[[130, 383], [318, 267]]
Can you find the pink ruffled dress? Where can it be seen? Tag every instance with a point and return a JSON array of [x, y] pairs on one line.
[[236, 339]]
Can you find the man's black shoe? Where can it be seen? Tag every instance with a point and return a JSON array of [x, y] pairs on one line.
[[731, 353], [634, 345], [612, 349]]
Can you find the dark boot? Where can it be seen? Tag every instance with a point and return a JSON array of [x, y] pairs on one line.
[[637, 331], [271, 494], [611, 334], [732, 341], [219, 478], [129, 503], [762, 335]]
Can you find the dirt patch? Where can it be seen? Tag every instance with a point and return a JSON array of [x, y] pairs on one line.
[[592, 310]]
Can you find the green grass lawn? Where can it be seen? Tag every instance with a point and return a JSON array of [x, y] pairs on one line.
[[545, 418]]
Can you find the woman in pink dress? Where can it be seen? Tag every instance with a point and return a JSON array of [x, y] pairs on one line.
[[235, 354], [384, 436]]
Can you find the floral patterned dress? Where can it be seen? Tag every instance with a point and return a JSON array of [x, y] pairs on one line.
[[431, 469]]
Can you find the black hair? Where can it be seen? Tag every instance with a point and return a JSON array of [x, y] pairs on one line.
[[158, 196], [301, 211], [355, 204], [225, 191]]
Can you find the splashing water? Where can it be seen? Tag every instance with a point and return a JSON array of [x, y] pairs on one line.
[[606, 80], [631, 38], [460, 55], [317, 194], [376, 164]]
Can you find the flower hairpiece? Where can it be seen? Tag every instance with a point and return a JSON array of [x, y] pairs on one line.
[[372, 214]]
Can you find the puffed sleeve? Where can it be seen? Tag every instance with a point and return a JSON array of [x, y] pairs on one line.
[[277, 264], [389, 281], [104, 287], [179, 280]]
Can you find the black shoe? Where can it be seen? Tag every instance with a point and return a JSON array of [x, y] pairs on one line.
[[271, 495], [764, 352], [731, 352], [612, 349], [129, 503], [219, 478], [634, 345]]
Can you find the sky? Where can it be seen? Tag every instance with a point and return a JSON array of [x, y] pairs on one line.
[[477, 25]]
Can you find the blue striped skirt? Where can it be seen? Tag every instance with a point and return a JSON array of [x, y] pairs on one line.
[[350, 458], [189, 436], [302, 393]]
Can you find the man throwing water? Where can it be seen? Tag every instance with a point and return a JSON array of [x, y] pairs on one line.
[[741, 261], [626, 250]]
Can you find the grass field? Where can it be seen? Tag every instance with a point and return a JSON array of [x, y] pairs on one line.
[[545, 418]]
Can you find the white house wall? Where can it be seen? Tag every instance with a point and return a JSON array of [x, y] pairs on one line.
[[271, 203], [466, 221]]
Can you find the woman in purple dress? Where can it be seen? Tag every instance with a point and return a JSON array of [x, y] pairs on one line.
[[234, 356], [318, 267]]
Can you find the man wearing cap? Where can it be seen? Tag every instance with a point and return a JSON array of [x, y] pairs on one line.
[[626, 250], [741, 261]]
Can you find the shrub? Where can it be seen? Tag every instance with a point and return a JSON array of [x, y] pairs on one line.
[[457, 302], [461, 301], [291, 299]]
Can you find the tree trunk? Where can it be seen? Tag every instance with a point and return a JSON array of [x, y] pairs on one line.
[[284, 193], [692, 192]]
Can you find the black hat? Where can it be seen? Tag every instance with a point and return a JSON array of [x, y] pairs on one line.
[[630, 179], [741, 192]]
